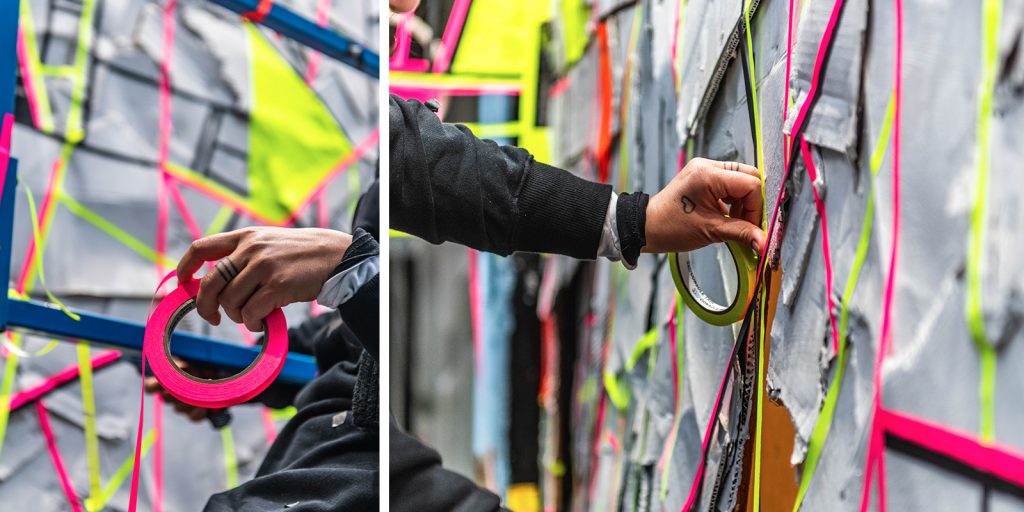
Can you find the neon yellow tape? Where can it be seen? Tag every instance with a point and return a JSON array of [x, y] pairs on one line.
[[38, 263], [523, 497], [98, 502], [10, 370], [32, 57], [92, 446], [824, 422], [975, 248], [219, 221], [394, 233], [113, 231], [619, 393], [450, 81], [678, 416], [703, 306], [74, 132], [59, 172], [283, 414], [679, 44], [227, 438], [510, 129], [648, 341], [12, 341]]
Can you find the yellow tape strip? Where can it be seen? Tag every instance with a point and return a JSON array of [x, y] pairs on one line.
[[92, 446]]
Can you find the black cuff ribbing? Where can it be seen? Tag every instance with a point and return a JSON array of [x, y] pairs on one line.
[[560, 213], [631, 221], [362, 247]]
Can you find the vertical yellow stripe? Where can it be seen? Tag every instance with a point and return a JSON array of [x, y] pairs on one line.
[[92, 447]]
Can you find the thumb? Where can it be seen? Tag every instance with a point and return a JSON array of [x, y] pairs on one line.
[[741, 232]]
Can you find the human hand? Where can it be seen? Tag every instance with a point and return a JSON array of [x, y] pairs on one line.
[[263, 268], [707, 202], [404, 5], [193, 413]]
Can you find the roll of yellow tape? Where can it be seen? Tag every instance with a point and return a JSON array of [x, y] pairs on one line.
[[705, 307]]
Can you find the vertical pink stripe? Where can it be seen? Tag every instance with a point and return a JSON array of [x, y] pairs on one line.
[[452, 33], [29, 79], [134, 493], [5, 147], [166, 127], [58, 463], [672, 332], [48, 199], [268, 425], [473, 274], [158, 452], [183, 210], [825, 245], [313, 67], [785, 94], [876, 448], [818, 63]]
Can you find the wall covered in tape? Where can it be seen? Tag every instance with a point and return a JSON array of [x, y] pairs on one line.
[[141, 126], [884, 343]]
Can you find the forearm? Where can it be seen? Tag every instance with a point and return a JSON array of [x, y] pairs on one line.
[[448, 185]]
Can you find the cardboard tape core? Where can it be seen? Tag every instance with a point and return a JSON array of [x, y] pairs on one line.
[[176, 318], [699, 302]]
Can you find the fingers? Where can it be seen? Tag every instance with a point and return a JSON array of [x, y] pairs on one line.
[[257, 308], [205, 249], [737, 167], [741, 232], [209, 290], [742, 190], [237, 293]]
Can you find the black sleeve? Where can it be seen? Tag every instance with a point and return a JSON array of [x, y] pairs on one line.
[[448, 185], [361, 313], [419, 483]]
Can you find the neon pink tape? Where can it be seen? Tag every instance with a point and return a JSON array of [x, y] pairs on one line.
[[818, 63], [29, 80], [452, 33], [5, 147], [58, 462], [212, 394], [997, 460], [812, 174], [60, 378], [876, 447]]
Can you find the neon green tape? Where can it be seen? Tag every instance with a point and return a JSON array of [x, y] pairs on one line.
[[283, 414], [671, 442], [219, 221], [757, 117], [975, 319], [509, 129], [10, 370], [679, 44], [32, 56], [227, 438], [38, 259], [57, 184], [648, 341], [113, 231], [699, 302], [618, 392], [92, 446], [98, 502], [74, 132], [759, 391], [824, 422]]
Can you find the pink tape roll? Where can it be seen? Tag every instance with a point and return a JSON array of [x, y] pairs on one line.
[[210, 393]]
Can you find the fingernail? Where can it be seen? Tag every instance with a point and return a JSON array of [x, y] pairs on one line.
[[754, 245]]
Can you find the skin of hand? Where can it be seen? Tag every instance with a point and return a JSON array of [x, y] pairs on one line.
[[272, 267], [193, 413], [707, 202], [404, 5]]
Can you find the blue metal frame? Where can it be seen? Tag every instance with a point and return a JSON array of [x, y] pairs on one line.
[[321, 39], [35, 316]]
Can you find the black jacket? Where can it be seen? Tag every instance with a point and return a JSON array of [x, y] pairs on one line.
[[449, 186]]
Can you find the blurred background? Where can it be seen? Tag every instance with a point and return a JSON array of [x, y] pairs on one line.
[[568, 385], [140, 126]]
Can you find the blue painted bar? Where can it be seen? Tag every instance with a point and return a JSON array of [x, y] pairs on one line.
[[321, 39], [8, 54], [6, 232], [35, 316]]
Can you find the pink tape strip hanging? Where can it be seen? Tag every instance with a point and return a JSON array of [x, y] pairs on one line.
[[29, 80], [58, 462], [6, 130], [876, 447], [819, 205]]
